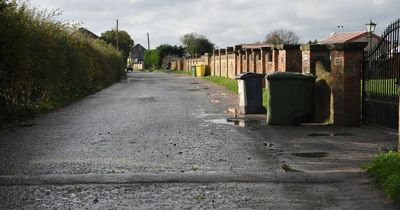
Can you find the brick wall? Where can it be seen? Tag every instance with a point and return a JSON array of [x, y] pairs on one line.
[[289, 58]]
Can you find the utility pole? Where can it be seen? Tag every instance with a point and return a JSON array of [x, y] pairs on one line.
[[148, 41], [117, 36]]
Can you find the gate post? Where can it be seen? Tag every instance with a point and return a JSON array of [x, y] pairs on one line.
[[346, 68]]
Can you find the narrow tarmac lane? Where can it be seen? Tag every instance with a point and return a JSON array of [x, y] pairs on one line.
[[162, 141]]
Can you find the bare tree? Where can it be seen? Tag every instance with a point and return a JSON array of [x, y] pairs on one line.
[[281, 36]]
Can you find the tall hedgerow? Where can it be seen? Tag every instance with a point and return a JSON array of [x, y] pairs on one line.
[[45, 63]]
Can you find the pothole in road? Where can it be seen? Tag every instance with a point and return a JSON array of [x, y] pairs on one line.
[[310, 154], [329, 134], [194, 83], [193, 90]]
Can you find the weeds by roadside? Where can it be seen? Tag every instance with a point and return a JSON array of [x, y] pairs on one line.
[[181, 72], [385, 168]]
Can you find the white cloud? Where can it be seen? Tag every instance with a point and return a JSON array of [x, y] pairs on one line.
[[225, 22]]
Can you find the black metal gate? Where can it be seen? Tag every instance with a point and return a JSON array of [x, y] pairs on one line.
[[380, 78]]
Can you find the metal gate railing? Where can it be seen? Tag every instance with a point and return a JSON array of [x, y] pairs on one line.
[[380, 77]]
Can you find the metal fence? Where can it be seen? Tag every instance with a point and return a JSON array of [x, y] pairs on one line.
[[380, 79]]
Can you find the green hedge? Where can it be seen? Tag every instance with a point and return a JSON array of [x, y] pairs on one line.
[[45, 63]]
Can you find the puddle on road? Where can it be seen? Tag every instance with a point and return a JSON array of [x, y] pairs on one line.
[[310, 154], [217, 94], [241, 122], [233, 111], [329, 134], [193, 90]]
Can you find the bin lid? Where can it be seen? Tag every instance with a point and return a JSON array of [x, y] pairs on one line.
[[249, 75], [290, 75]]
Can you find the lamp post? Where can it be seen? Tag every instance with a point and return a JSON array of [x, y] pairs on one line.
[[370, 29]]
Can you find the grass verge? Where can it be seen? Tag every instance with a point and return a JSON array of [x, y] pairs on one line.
[[230, 84], [181, 72], [385, 168]]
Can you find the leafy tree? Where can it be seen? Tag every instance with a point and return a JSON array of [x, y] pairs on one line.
[[169, 52], [313, 42], [196, 44], [125, 41], [152, 59], [281, 36]]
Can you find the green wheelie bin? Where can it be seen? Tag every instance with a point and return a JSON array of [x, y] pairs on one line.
[[291, 98], [193, 70]]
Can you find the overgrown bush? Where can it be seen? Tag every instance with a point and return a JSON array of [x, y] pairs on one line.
[[386, 169], [46, 63]]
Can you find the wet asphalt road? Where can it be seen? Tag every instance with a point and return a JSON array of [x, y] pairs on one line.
[[161, 141]]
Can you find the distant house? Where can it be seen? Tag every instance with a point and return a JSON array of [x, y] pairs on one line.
[[136, 55], [88, 33], [346, 37]]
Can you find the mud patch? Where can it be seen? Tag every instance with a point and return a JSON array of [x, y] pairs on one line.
[[310, 154]]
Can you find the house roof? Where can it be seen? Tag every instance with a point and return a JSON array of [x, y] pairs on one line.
[[138, 46], [344, 37], [88, 33]]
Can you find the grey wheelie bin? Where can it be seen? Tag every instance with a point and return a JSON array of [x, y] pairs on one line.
[[250, 93]]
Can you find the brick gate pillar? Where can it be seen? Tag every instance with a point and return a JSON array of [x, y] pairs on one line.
[[206, 58], [346, 67]]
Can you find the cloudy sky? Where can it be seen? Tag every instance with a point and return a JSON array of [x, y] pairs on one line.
[[224, 22]]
